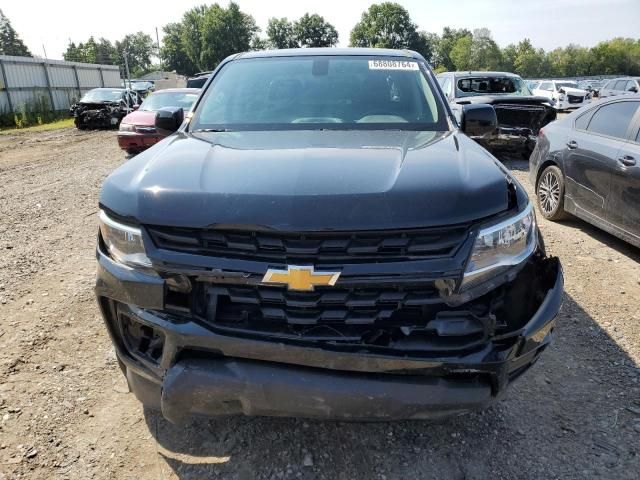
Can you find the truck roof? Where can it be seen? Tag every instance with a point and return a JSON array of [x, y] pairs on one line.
[[480, 74], [309, 52]]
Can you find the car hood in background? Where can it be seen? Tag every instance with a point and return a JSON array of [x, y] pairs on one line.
[[574, 91], [141, 118], [309, 180], [494, 99]]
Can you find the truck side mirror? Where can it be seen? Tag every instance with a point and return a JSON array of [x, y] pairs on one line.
[[169, 119], [478, 120]]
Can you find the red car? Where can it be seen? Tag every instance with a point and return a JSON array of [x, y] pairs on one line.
[[138, 131]]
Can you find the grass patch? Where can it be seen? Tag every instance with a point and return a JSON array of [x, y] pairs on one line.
[[55, 125]]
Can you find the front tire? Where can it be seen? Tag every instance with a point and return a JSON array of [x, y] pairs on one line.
[[550, 194]]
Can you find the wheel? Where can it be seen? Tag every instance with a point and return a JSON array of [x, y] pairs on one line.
[[550, 194]]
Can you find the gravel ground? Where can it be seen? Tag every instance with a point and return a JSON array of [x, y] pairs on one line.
[[65, 411]]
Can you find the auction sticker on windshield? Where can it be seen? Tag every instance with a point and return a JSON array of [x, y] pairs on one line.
[[392, 65]]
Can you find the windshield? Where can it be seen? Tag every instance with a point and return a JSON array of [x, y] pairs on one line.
[[100, 95], [159, 100], [309, 92], [559, 85], [471, 86]]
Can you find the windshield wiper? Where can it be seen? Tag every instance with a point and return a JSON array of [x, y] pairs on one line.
[[210, 130]]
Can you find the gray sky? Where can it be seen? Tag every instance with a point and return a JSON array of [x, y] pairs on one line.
[[548, 23]]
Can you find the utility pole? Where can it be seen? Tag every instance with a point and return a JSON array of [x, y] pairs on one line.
[[158, 42], [126, 68], [45, 52]]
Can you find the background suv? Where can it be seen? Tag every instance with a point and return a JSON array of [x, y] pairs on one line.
[[563, 94], [520, 114], [620, 86]]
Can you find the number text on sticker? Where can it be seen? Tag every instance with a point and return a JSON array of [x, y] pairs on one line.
[[392, 65]]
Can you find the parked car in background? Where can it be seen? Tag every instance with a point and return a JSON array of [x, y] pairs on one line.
[[532, 84], [620, 86], [104, 107], [198, 80], [520, 114], [591, 86], [588, 164], [563, 94], [143, 87], [138, 131], [321, 240]]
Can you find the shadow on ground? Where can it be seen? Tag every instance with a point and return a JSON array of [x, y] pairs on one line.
[[572, 416]]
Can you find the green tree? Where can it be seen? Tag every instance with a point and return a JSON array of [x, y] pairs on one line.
[[386, 25], [509, 55], [207, 35], [527, 60], [139, 48], [225, 31], [314, 31], [485, 53], [460, 54], [566, 60], [618, 56], [448, 40], [10, 42], [192, 34], [173, 52], [280, 33], [429, 48], [258, 43], [106, 53], [92, 51]]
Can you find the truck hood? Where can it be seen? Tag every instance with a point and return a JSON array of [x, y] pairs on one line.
[[309, 181], [494, 99]]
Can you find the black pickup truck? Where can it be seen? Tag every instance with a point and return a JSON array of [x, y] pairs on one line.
[[520, 114], [320, 238]]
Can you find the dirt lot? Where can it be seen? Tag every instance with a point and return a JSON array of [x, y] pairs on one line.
[[65, 411]]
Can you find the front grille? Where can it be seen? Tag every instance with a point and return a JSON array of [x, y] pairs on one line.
[[410, 318], [575, 99], [362, 306], [518, 115], [145, 129], [315, 247]]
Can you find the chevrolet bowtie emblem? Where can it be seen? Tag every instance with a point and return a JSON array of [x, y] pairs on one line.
[[300, 278]]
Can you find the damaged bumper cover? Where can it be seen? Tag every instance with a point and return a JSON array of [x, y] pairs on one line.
[[181, 365]]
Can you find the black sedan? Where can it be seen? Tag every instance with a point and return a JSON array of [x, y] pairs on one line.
[[588, 165]]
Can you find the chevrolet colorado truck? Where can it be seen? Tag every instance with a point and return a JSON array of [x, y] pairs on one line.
[[321, 238]]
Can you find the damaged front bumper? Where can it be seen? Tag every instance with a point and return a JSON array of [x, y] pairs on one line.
[[182, 366], [136, 141], [95, 116]]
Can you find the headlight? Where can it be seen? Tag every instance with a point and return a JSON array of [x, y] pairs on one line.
[[123, 242], [127, 127], [501, 246]]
